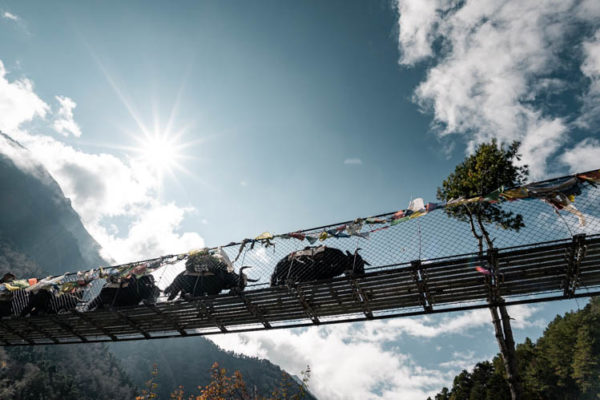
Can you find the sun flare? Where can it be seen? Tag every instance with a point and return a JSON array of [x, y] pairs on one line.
[[160, 153]]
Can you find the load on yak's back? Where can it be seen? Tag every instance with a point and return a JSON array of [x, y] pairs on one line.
[[316, 263], [208, 273], [20, 297]]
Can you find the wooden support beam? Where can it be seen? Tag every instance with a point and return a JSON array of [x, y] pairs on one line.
[[334, 294], [8, 328], [90, 321], [132, 323], [418, 278], [361, 297], [167, 318], [308, 310], [575, 255], [205, 312], [68, 328], [255, 311], [40, 330]]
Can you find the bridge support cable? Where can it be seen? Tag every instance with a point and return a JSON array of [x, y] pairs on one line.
[[575, 255]]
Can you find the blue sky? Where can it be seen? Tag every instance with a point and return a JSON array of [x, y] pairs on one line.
[[280, 115]]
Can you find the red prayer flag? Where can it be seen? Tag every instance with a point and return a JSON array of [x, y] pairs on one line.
[[483, 270]]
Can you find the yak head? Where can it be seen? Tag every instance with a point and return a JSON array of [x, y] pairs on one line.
[[355, 263], [242, 280]]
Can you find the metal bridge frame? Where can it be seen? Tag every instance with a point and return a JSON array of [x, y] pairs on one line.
[[540, 272]]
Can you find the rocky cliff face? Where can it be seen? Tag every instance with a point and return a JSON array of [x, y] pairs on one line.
[[36, 217]]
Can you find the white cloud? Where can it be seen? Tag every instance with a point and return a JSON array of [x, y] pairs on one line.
[[353, 161], [11, 16], [591, 70], [585, 156], [18, 102], [64, 122], [363, 361], [416, 24], [100, 186], [490, 62]]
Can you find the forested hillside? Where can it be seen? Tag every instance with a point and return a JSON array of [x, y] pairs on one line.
[[187, 362], [562, 364]]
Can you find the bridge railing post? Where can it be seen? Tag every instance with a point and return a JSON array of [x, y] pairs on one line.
[[574, 255], [420, 278]]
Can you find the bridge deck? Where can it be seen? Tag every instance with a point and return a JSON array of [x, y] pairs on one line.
[[542, 272]]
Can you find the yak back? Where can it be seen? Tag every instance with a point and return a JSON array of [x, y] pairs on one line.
[[311, 263], [198, 284], [129, 292]]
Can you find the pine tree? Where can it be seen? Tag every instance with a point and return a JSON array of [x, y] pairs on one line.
[[488, 169]]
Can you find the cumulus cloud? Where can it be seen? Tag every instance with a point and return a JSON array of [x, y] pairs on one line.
[[101, 186], [64, 123], [362, 360], [353, 161], [491, 64], [18, 102]]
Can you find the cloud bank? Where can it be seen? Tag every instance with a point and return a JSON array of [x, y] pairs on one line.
[[364, 360], [494, 65]]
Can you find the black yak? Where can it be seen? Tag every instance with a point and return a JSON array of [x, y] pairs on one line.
[[316, 263], [129, 291], [207, 274]]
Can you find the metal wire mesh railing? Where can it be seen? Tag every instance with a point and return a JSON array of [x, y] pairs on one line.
[[410, 250]]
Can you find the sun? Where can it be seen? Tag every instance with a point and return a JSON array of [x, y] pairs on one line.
[[161, 153]]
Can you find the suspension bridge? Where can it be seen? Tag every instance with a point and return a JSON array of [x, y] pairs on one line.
[[421, 262]]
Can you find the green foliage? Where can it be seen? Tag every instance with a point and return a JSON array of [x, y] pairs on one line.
[[488, 169], [562, 364], [73, 372], [224, 387]]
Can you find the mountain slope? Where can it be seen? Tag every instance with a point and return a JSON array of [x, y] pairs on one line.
[[37, 218]]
